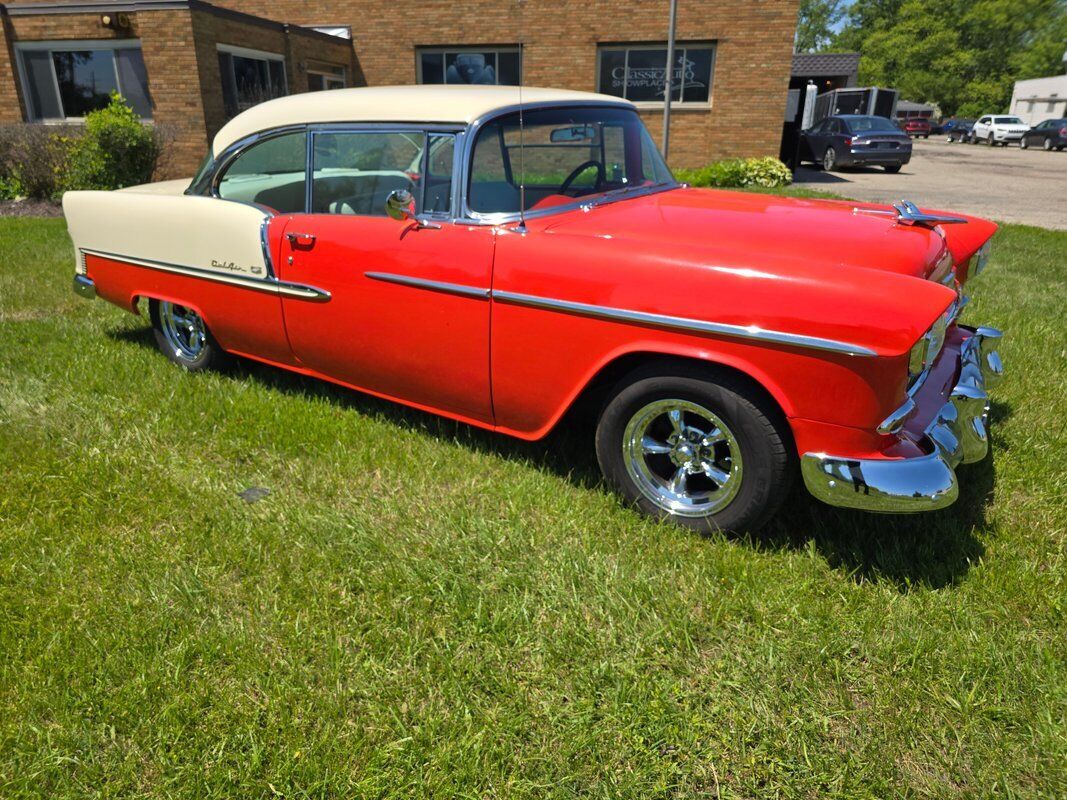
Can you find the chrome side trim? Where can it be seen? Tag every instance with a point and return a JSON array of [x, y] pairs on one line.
[[298, 291], [681, 323], [84, 287], [958, 434], [433, 286]]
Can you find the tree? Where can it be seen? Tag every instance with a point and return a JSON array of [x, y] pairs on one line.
[[963, 55], [816, 24]]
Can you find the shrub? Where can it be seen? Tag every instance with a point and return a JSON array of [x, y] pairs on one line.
[[766, 171], [31, 159], [115, 150], [111, 150]]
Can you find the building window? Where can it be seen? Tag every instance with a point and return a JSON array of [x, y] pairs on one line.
[[496, 65], [67, 80], [322, 77], [250, 77], [638, 73]]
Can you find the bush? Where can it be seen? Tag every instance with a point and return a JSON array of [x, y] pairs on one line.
[[116, 150], [31, 159], [111, 150], [739, 172]]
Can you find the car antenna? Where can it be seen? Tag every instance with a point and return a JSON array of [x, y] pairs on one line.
[[522, 138]]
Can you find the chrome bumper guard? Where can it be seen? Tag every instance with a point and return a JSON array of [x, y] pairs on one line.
[[84, 287], [957, 435]]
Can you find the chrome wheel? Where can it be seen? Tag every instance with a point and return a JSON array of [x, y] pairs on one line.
[[682, 457], [1047, 144], [183, 330], [829, 158]]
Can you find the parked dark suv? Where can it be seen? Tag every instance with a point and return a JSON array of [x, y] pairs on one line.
[[854, 140], [957, 130]]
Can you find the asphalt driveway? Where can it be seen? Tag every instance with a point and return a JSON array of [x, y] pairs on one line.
[[1002, 183]]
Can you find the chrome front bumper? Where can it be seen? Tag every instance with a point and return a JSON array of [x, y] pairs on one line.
[[956, 435]]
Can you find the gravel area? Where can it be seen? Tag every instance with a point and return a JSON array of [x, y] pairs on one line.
[[1002, 183]]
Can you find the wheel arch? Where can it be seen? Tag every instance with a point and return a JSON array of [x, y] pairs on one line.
[[593, 392]]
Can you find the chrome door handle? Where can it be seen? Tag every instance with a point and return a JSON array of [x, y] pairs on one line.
[[305, 239]]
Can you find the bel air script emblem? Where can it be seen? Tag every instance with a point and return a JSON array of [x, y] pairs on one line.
[[232, 267]]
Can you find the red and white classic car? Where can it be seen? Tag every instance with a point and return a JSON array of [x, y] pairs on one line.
[[440, 247]]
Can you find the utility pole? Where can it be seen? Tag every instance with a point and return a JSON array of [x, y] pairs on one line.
[[668, 80]]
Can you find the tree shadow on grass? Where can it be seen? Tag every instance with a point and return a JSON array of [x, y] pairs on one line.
[[930, 550]]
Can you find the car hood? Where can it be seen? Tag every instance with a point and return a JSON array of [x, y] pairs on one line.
[[765, 232]]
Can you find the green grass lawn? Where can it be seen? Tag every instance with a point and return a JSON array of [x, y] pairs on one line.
[[419, 609]]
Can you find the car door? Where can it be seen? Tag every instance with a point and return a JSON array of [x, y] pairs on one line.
[[1035, 135], [981, 127], [815, 140], [408, 309]]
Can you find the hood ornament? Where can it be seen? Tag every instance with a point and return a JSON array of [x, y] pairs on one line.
[[907, 213]]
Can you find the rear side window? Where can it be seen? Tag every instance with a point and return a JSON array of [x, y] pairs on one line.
[[272, 173], [354, 172]]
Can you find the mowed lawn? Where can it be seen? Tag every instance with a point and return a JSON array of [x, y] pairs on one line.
[[422, 610]]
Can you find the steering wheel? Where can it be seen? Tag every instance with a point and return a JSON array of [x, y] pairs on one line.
[[578, 171]]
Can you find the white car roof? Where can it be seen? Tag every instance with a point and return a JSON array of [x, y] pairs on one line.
[[423, 103]]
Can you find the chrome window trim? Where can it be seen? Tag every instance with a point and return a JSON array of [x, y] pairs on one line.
[[466, 135], [230, 154], [298, 291], [684, 324], [468, 215]]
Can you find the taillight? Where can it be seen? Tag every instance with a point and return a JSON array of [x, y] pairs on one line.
[[848, 142], [1063, 132]]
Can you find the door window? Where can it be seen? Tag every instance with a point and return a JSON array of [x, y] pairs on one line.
[[272, 173], [355, 172]]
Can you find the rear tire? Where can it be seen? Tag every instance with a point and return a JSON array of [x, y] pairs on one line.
[[1047, 144], [182, 336], [708, 452], [829, 159]]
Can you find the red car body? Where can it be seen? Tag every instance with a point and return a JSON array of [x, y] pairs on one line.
[[505, 325], [917, 126]]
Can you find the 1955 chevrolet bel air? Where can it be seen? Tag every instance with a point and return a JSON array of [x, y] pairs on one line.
[[496, 263]]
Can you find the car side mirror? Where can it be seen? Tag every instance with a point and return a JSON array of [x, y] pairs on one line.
[[400, 205]]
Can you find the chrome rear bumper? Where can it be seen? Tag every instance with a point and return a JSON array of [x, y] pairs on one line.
[[84, 287], [956, 435]]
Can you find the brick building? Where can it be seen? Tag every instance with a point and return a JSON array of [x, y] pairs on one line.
[[191, 65]]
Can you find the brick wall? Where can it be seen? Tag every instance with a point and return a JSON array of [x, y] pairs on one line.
[[751, 76], [180, 54], [753, 60]]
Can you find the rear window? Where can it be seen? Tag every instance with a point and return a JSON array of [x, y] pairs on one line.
[[872, 125]]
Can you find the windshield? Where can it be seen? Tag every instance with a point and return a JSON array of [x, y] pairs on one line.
[[872, 125], [561, 155], [1007, 121]]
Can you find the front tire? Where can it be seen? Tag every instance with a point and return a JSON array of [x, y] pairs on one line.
[[706, 454], [1023, 144], [1047, 144], [892, 169], [182, 336]]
